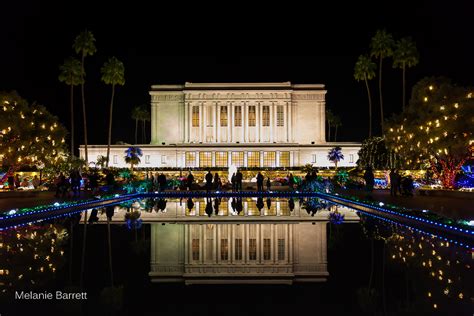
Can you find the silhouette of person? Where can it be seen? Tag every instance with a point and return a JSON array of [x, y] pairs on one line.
[[239, 177], [216, 206], [291, 204], [209, 207], [238, 205], [233, 204], [190, 204], [189, 181], [260, 204], [233, 180], [208, 180], [259, 182], [162, 204], [269, 203]]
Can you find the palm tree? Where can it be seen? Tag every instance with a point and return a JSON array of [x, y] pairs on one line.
[[381, 46], [145, 117], [365, 70], [71, 74], [329, 119], [113, 73], [132, 156], [84, 46], [336, 122], [405, 55], [136, 115], [335, 155]]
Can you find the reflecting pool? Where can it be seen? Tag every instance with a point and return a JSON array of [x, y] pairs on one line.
[[238, 256]]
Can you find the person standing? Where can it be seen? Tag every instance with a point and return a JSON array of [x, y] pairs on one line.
[[189, 181], [209, 180], [239, 177], [393, 182], [233, 181], [269, 184], [215, 184], [259, 182], [369, 179], [291, 181]]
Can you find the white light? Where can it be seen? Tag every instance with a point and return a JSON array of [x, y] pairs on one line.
[[156, 191], [425, 211], [12, 212], [470, 223], [217, 191], [117, 195], [56, 204], [381, 204], [297, 191]]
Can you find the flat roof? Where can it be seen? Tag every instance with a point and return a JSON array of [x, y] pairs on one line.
[[237, 86]]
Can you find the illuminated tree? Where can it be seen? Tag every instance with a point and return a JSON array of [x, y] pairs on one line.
[[136, 115], [405, 55], [113, 73], [374, 153], [435, 129], [381, 46], [335, 155], [71, 74], [365, 70], [132, 156], [29, 134], [329, 119], [84, 45], [336, 122]]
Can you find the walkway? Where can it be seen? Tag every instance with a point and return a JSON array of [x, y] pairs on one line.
[[455, 208]]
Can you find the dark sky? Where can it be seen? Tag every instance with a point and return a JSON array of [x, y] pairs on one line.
[[150, 38]]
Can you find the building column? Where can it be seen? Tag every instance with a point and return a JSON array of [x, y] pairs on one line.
[[197, 158], [214, 127], [231, 123], [271, 123], [275, 126], [201, 121], [277, 158], [257, 129], [229, 158], [190, 121], [185, 138], [261, 158], [218, 122], [322, 122], [245, 158], [213, 158], [242, 129], [246, 125], [289, 122], [291, 159]]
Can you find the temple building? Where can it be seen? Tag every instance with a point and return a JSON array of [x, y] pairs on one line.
[[280, 253], [235, 124]]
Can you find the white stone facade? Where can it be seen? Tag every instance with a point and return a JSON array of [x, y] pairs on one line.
[[241, 124], [239, 253]]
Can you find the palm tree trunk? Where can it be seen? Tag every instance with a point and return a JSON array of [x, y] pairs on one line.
[[335, 134], [370, 106], [143, 131], [329, 131], [72, 120], [110, 252], [83, 258], [86, 157], [110, 126], [403, 83], [380, 93], [136, 130]]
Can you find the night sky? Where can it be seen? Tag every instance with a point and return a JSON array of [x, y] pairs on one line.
[[151, 38]]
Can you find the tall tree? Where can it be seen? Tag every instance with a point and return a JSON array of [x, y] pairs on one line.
[[381, 46], [113, 73], [84, 45], [71, 74], [329, 119], [435, 129], [336, 122], [136, 115], [365, 70], [405, 55], [145, 116], [132, 156]]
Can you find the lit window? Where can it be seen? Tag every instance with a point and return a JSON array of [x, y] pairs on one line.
[[252, 119], [224, 249], [253, 249], [223, 115], [253, 159], [195, 248], [195, 116], [238, 116], [281, 249], [280, 115], [238, 158], [163, 160], [221, 159], [147, 159], [238, 249], [190, 159], [266, 249], [115, 159], [269, 158], [266, 115], [351, 158], [313, 158], [284, 158], [205, 159], [210, 116]]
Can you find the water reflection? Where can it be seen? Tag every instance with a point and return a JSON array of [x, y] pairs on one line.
[[239, 253]]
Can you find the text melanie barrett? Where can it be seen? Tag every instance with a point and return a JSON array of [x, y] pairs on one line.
[[58, 295]]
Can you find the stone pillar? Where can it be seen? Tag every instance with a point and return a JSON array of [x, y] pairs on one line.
[[288, 122], [200, 122], [246, 125], [245, 159], [214, 129], [154, 122], [244, 117], [275, 127], [277, 157], [229, 122], [257, 123], [261, 158], [218, 122], [270, 107], [229, 158], [322, 122], [185, 138]]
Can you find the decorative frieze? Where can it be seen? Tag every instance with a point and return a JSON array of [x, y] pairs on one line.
[[309, 97], [167, 97]]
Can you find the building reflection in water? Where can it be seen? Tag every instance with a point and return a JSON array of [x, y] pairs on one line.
[[276, 253]]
